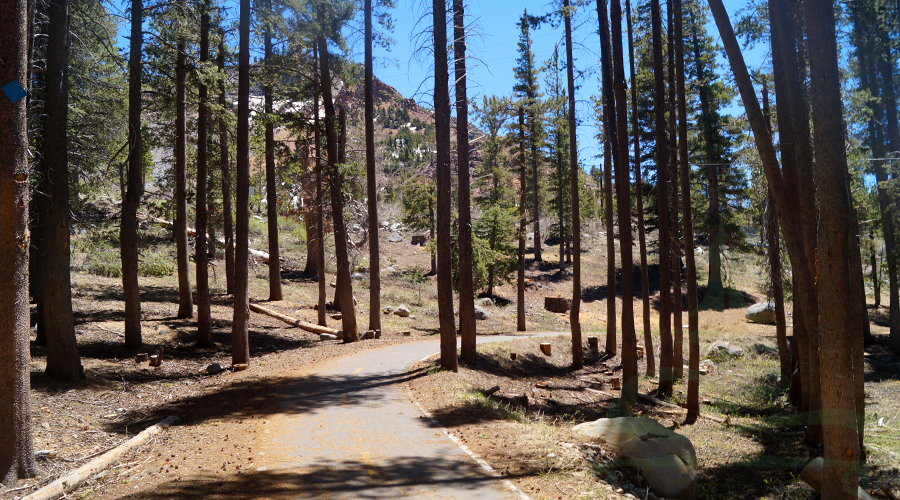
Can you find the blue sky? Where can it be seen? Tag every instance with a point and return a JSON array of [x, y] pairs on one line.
[[495, 47]]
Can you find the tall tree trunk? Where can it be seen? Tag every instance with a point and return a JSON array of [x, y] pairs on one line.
[[662, 179], [16, 444], [523, 181], [128, 237], [371, 185], [271, 181], [797, 170], [623, 196], [185, 297], [63, 360], [442, 140], [240, 345], [320, 196], [841, 472], [642, 237], [344, 286], [227, 214], [610, 149], [888, 209], [466, 286], [677, 323], [536, 188], [693, 399], [776, 275], [788, 213], [204, 317], [716, 237], [574, 316]]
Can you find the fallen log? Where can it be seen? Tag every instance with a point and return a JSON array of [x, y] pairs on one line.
[[71, 481], [310, 327], [812, 475], [263, 256]]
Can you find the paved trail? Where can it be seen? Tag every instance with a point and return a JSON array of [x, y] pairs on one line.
[[350, 431]]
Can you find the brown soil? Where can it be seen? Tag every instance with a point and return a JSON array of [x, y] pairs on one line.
[[221, 447]]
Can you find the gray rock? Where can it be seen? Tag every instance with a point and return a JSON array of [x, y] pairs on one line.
[[481, 313], [327, 336], [766, 349], [395, 238], [402, 310], [387, 309], [357, 276], [762, 312], [485, 302], [723, 350], [389, 270], [213, 369], [529, 236], [395, 227], [666, 460]]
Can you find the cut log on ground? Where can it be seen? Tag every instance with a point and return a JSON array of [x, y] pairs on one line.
[[310, 327], [545, 348], [812, 475], [71, 481], [557, 304]]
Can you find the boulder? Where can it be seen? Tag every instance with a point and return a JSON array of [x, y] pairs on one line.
[[395, 227], [481, 313], [213, 369], [529, 236], [389, 270], [667, 460], [762, 312], [765, 349], [395, 238], [485, 302], [402, 310], [387, 309], [723, 350]]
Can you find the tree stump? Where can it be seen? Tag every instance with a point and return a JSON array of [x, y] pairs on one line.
[[594, 343], [512, 356], [419, 239], [616, 383], [369, 335], [557, 304], [546, 347], [140, 358]]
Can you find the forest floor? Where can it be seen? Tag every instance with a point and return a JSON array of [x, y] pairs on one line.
[[224, 418]]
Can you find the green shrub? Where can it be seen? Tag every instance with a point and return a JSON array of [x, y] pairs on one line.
[[155, 265], [104, 263]]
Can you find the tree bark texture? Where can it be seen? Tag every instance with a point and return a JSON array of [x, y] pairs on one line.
[[523, 181], [623, 197], [63, 360], [466, 286], [128, 237], [344, 286], [639, 192], [788, 213], [320, 198], [842, 453], [675, 248], [227, 215], [662, 179], [442, 139], [610, 145], [240, 326], [204, 315], [574, 315], [371, 185], [16, 444], [693, 399], [185, 296], [271, 181]]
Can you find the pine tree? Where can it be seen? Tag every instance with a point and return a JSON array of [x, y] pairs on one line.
[[528, 91]]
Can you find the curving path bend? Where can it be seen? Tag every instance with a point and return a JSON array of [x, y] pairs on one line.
[[349, 431]]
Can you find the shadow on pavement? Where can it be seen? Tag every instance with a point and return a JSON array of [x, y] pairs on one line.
[[407, 477]]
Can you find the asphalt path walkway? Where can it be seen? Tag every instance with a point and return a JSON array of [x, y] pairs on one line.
[[350, 431]]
